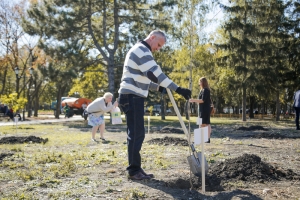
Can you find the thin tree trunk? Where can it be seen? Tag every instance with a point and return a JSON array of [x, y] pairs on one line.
[[111, 76], [29, 103], [60, 92], [162, 107], [36, 105], [245, 67], [36, 98], [4, 80], [251, 110], [244, 103], [277, 106]]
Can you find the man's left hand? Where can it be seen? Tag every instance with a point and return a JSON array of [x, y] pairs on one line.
[[162, 90]]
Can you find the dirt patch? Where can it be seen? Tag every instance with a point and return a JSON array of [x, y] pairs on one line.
[[252, 128], [168, 141], [170, 129], [26, 128], [247, 168], [21, 140], [3, 155], [271, 136], [182, 183]]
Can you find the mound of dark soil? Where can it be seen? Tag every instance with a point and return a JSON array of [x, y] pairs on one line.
[[212, 183], [170, 129], [252, 128], [21, 140], [3, 155], [250, 168], [169, 141], [268, 136], [271, 136], [246, 168], [25, 128]]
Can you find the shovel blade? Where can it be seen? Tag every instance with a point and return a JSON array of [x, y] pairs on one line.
[[195, 164]]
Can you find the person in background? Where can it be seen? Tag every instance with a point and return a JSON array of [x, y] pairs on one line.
[[204, 104], [6, 111], [66, 109], [296, 106], [96, 111], [84, 106], [141, 73]]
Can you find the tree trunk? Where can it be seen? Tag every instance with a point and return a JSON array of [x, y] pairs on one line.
[[36, 104], [251, 110], [244, 103], [245, 67], [111, 75], [4, 81], [36, 98], [277, 106], [60, 91], [181, 108], [162, 107], [17, 86]]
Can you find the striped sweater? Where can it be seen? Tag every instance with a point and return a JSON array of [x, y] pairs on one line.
[[139, 60]]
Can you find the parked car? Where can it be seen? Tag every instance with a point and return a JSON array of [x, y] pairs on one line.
[[75, 105]]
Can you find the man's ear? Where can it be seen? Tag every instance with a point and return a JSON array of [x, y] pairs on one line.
[[152, 37]]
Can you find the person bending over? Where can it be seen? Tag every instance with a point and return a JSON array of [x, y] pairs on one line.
[[141, 73], [96, 111]]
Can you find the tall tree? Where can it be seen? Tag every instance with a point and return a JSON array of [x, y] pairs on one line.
[[11, 34], [240, 46], [103, 22]]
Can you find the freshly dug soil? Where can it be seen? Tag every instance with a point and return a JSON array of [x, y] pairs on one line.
[[271, 136], [21, 140], [246, 168], [169, 141], [252, 128], [170, 129], [3, 155]]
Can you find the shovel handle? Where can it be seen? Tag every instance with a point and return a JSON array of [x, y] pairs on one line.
[[177, 113], [193, 148]]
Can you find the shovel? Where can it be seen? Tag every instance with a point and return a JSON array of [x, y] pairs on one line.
[[193, 159]]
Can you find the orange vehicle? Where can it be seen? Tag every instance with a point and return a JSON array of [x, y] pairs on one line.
[[76, 105]]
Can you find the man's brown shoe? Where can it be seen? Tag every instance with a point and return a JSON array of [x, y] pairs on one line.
[[139, 176], [150, 175]]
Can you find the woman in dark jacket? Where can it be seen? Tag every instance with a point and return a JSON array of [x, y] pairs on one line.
[[204, 104]]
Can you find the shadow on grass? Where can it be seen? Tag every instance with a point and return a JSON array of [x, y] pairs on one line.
[[84, 127], [186, 193]]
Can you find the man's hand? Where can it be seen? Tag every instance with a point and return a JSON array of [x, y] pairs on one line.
[[162, 90], [186, 93]]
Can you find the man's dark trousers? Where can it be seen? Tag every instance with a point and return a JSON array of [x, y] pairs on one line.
[[133, 107], [297, 117]]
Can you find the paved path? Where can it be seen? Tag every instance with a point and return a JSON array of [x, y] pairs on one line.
[[43, 121]]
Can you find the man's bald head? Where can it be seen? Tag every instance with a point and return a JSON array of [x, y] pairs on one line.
[[158, 33], [156, 39]]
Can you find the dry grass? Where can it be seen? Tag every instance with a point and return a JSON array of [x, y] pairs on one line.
[[70, 166]]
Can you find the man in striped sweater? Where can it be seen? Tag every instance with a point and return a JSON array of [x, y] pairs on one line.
[[141, 73]]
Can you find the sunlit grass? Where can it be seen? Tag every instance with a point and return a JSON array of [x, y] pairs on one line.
[[69, 161], [174, 121]]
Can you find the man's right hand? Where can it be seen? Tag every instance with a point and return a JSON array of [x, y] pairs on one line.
[[186, 93]]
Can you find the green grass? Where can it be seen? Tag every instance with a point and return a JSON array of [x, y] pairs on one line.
[[69, 165], [174, 121]]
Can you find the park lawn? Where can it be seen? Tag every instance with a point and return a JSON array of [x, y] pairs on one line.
[[70, 166]]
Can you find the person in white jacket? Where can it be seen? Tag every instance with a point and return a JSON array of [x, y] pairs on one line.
[[96, 111]]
